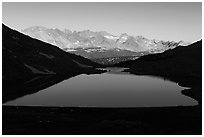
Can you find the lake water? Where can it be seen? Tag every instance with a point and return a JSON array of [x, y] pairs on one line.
[[111, 89]]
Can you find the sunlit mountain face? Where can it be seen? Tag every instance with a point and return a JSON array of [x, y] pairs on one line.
[[101, 46]]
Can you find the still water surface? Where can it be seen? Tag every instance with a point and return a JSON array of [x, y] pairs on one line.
[[111, 89]]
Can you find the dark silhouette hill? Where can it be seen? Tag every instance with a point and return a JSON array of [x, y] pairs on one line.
[[182, 65], [25, 58], [179, 61], [23, 55]]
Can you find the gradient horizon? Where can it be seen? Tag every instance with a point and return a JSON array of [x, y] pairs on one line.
[[164, 21]]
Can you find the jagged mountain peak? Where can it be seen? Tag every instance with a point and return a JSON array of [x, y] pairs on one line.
[[35, 28], [67, 39], [67, 31], [124, 34], [104, 33], [141, 37]]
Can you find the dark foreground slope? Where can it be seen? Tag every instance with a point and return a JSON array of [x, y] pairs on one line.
[[101, 121], [29, 65], [182, 65]]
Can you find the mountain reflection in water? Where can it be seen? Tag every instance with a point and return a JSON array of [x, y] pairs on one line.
[[110, 89]]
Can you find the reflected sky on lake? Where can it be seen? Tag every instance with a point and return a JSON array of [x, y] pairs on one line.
[[109, 90]]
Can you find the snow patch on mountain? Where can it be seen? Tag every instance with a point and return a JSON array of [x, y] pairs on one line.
[[95, 49], [36, 71], [31, 80], [112, 37], [70, 41], [46, 55], [77, 42], [69, 50], [82, 65]]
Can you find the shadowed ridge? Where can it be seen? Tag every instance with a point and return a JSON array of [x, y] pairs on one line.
[[182, 65], [25, 59]]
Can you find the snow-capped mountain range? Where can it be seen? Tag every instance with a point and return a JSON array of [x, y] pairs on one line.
[[90, 44]]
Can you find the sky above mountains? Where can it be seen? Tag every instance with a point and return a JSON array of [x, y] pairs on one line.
[[166, 21]]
